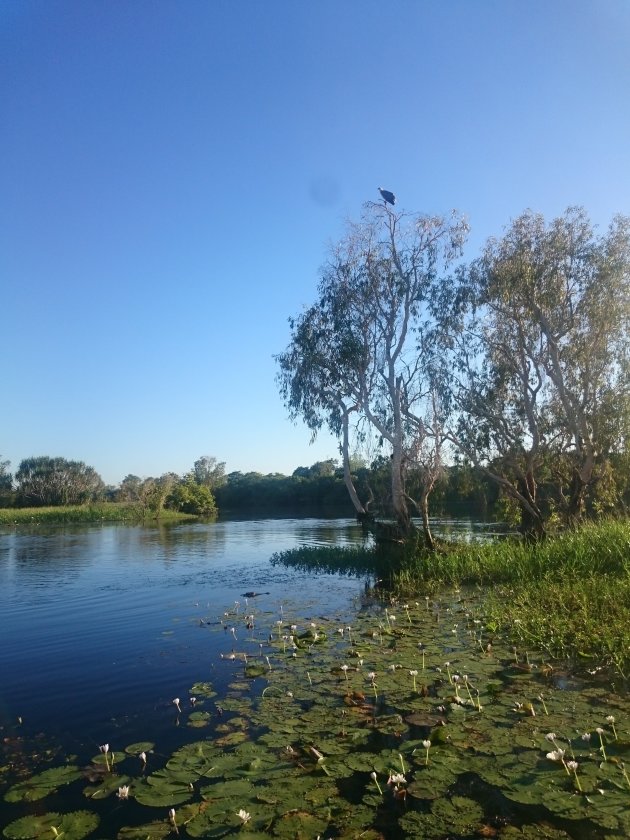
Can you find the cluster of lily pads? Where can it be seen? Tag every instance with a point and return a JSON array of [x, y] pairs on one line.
[[410, 720]]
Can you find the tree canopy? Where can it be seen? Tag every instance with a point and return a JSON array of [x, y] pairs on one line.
[[516, 363]]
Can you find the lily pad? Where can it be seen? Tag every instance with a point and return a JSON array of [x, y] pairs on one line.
[[42, 784], [109, 785], [140, 747], [73, 826], [203, 689], [157, 830]]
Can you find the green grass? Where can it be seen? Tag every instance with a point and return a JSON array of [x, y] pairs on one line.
[[593, 549], [101, 512], [568, 596]]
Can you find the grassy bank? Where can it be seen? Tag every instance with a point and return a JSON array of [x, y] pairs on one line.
[[568, 596], [104, 512]]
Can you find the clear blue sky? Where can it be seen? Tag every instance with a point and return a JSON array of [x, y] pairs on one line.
[[171, 172]]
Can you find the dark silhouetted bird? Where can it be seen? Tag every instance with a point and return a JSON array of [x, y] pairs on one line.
[[387, 196]]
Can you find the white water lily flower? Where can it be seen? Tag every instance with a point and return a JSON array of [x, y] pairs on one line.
[[413, 673], [426, 744], [586, 736], [610, 719], [123, 792], [555, 755], [572, 765], [551, 736], [243, 815], [104, 748], [396, 779]]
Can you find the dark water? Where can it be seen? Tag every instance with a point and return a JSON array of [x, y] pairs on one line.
[[103, 622]]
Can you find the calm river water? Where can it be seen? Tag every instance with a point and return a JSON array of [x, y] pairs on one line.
[[103, 622], [103, 627], [100, 622]]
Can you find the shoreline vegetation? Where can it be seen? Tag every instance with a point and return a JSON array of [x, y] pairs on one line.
[[95, 512], [568, 596]]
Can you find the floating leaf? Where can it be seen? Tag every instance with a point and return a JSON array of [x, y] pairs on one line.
[[140, 747], [203, 689], [73, 826], [157, 830], [109, 785], [42, 784], [198, 720]]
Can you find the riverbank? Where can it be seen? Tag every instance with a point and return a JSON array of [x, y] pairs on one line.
[[103, 512], [568, 596]]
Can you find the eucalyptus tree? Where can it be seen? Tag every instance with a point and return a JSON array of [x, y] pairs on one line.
[[209, 472], [314, 382], [539, 329], [354, 349], [6, 479], [6, 484], [56, 481]]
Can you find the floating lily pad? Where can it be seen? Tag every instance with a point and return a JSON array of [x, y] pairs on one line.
[[109, 785], [300, 824], [203, 689], [73, 826], [156, 830], [42, 784], [140, 747], [198, 720]]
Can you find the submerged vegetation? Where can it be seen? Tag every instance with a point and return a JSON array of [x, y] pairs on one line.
[[413, 718]]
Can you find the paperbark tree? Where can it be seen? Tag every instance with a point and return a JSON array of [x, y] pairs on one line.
[[313, 381], [373, 295], [539, 329], [56, 481]]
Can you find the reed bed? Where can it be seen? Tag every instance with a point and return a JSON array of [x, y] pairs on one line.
[[103, 512], [568, 596]]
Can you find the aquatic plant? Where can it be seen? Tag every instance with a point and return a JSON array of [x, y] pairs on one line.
[[295, 749]]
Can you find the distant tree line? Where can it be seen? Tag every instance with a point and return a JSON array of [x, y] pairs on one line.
[[49, 482], [460, 489]]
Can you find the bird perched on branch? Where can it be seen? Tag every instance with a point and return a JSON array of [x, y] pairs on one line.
[[387, 196]]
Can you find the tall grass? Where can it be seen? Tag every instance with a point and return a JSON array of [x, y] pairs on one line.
[[103, 512], [569, 595], [594, 549]]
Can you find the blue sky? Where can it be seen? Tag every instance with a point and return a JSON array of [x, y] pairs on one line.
[[172, 171]]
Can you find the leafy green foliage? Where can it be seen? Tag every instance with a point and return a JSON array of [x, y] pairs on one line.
[[42, 784], [45, 481]]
